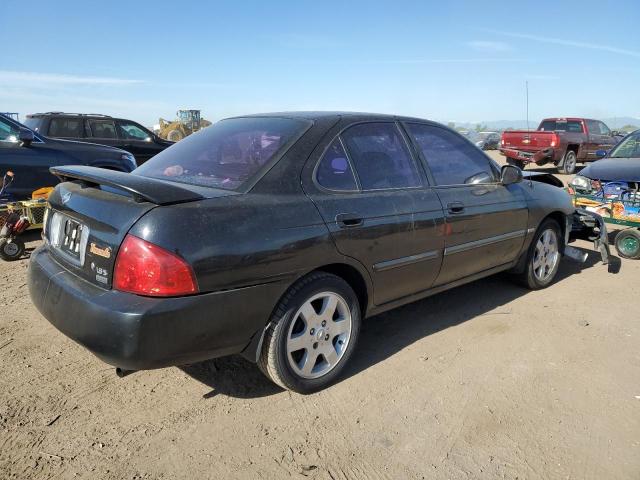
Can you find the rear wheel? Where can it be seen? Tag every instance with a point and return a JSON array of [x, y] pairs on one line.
[[627, 243], [312, 334], [569, 163], [11, 249], [516, 163], [543, 258]]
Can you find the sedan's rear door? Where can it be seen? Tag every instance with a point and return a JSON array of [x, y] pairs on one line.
[[486, 222], [373, 197]]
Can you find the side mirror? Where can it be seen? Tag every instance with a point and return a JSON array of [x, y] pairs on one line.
[[601, 153], [510, 174], [25, 137]]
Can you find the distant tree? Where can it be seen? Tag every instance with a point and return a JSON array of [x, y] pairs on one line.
[[451, 125], [480, 127], [629, 128]]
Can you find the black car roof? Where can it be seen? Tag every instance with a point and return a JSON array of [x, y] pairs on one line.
[[317, 115], [67, 114]]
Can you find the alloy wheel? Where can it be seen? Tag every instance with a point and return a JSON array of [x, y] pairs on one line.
[[546, 255], [318, 335]]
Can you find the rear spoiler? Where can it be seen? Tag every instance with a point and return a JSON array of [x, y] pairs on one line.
[[143, 189]]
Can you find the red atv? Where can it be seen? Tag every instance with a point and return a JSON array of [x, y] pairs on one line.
[[11, 247]]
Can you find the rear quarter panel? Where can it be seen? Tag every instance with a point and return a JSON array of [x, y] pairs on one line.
[[243, 240]]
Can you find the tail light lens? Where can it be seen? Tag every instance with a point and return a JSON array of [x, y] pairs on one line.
[[147, 269], [554, 140]]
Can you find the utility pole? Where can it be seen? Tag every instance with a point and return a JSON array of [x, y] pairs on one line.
[[526, 86]]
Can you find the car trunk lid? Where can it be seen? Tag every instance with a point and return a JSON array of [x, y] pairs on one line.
[[92, 211]]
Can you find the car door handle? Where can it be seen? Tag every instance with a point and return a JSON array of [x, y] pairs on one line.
[[346, 220], [455, 207]]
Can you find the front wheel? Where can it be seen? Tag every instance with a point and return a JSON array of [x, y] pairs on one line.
[[569, 163], [627, 243], [543, 257], [11, 249], [312, 334]]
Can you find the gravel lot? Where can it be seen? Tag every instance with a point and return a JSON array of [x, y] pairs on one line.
[[484, 381]]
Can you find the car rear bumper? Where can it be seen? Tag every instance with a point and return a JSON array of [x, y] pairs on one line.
[[539, 157], [135, 333]]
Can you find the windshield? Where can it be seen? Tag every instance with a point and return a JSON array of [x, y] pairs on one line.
[[32, 123], [225, 155], [628, 147]]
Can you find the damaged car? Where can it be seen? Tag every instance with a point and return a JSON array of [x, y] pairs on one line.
[[273, 236]]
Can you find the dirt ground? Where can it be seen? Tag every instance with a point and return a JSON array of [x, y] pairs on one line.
[[484, 381]]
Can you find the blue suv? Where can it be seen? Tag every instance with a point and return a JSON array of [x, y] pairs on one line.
[[29, 156]]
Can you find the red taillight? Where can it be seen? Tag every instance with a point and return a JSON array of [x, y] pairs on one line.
[[502, 142], [554, 140], [147, 269]]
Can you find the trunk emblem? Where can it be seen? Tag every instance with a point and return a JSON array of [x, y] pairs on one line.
[[101, 252], [526, 140], [66, 197]]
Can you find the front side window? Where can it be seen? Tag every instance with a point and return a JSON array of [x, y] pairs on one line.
[[334, 170], [130, 131], [604, 130], [66, 128], [227, 154], [629, 147], [8, 132], [102, 129], [380, 156], [451, 159]]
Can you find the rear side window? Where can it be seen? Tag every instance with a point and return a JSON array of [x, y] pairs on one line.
[[561, 126], [334, 170], [227, 154], [103, 129], [380, 156], [66, 127], [452, 160]]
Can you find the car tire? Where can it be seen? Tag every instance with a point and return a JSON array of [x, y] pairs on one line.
[[11, 249], [627, 243], [306, 346], [543, 256], [516, 163], [569, 163]]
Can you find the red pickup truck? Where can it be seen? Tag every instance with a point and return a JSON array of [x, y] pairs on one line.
[[561, 141]]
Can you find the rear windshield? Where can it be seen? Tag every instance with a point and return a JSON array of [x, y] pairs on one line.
[[227, 154], [561, 126]]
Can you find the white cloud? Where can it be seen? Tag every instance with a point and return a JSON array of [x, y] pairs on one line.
[[569, 43], [13, 78], [487, 46]]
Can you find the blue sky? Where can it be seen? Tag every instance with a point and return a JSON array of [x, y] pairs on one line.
[[459, 61]]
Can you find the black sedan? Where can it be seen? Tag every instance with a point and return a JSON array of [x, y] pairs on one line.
[[275, 235]]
